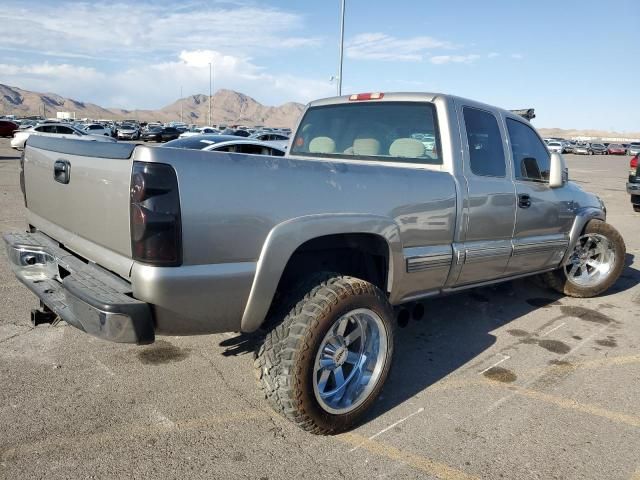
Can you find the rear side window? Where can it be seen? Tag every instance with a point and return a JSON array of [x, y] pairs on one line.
[[531, 159], [382, 131], [63, 130], [486, 151]]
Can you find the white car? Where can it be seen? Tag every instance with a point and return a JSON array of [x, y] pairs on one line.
[[254, 147], [555, 147], [200, 131], [228, 143], [97, 129], [59, 130], [128, 132]]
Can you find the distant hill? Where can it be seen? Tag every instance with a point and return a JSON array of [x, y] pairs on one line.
[[228, 107], [603, 134]]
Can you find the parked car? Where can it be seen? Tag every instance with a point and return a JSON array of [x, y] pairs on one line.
[[7, 127], [128, 132], [555, 146], [269, 136], [633, 183], [582, 149], [54, 130], [599, 149], [160, 134], [616, 149], [231, 145], [633, 148], [567, 147], [198, 142], [254, 147], [315, 248], [200, 131], [97, 129]]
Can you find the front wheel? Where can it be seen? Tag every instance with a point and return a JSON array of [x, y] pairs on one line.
[[323, 366], [594, 265]]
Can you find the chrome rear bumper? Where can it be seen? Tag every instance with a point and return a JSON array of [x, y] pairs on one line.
[[633, 188], [83, 294]]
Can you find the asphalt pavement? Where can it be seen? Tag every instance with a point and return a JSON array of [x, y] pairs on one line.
[[511, 381]]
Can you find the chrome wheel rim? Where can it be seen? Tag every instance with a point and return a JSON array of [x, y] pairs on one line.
[[591, 261], [349, 361]]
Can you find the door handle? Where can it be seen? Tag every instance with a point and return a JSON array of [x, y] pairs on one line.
[[524, 200], [62, 171]]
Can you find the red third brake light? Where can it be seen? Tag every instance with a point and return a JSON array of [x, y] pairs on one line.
[[366, 96]]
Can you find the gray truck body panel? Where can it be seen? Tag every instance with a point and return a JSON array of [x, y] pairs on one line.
[[244, 216]]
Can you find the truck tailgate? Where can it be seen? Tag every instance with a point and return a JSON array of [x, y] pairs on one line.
[[87, 208]]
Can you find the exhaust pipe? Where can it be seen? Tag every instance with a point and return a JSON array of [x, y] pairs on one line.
[[403, 317], [418, 311]]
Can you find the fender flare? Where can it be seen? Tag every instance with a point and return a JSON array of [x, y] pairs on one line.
[[283, 240], [583, 216]]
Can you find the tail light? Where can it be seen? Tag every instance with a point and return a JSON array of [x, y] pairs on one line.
[[633, 168], [366, 96], [156, 231]]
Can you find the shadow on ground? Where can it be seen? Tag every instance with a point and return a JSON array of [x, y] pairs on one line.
[[455, 330]]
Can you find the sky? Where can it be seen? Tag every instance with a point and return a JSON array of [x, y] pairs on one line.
[[576, 62]]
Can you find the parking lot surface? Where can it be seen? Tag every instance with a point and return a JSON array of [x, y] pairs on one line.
[[511, 381]]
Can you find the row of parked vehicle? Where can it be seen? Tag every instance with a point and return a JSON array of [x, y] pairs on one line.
[[108, 131], [584, 148]]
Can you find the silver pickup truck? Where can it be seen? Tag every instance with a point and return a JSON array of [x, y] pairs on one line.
[[383, 199]]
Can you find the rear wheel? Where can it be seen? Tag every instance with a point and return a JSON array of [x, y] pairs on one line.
[[636, 208], [594, 265], [323, 366]]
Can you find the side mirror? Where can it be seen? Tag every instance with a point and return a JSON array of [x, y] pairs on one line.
[[557, 171]]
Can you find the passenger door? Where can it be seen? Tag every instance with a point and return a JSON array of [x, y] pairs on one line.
[[544, 215], [490, 201]]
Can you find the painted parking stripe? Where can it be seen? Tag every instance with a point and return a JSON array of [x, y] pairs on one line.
[[426, 465]]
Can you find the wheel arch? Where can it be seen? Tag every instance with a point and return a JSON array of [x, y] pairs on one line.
[[583, 217], [286, 238]]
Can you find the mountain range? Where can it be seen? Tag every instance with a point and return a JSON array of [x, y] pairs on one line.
[[228, 107]]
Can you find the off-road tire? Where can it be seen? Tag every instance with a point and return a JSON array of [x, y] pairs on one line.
[[284, 363], [557, 279], [636, 208]]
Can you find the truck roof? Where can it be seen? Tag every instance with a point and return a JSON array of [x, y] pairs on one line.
[[404, 97]]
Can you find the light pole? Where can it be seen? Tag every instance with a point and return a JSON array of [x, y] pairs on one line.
[[181, 105], [210, 89], [341, 47]]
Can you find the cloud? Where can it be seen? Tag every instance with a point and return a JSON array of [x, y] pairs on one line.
[[380, 46], [155, 85], [442, 59], [493, 55], [82, 29], [517, 56]]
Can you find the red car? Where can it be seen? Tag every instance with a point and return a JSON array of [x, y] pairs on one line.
[[616, 149], [7, 127]]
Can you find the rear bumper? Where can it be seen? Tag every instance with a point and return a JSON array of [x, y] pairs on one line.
[[633, 188], [84, 295]]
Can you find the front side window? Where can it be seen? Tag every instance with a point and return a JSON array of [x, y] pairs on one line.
[[382, 131], [531, 159], [486, 151]]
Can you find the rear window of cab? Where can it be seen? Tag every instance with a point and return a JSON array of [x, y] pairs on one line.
[[382, 131]]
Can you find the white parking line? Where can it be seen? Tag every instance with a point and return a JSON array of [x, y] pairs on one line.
[[526, 384], [553, 329], [420, 410], [505, 358]]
